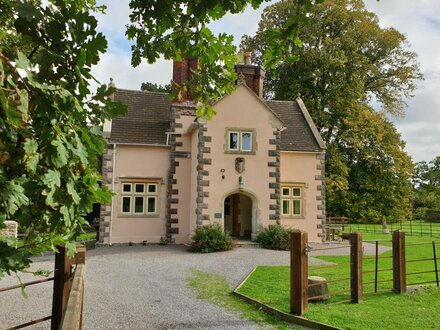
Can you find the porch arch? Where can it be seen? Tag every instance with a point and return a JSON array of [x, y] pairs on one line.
[[255, 209]]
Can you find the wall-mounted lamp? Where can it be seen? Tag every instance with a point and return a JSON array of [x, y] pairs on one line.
[[240, 183], [223, 173]]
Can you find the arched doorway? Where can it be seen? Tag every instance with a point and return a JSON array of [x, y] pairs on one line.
[[238, 215]]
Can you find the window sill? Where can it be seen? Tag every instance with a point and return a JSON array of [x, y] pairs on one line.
[[138, 216], [238, 152], [293, 217]]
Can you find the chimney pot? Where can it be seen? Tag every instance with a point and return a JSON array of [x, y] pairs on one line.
[[247, 58], [252, 75]]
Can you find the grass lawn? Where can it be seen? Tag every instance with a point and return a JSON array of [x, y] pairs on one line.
[[382, 310], [87, 236], [215, 289]]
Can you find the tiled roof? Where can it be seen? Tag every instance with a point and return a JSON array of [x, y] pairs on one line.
[[147, 120], [300, 133]]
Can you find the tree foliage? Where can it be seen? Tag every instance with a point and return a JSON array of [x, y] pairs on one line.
[[426, 183], [347, 63], [152, 87], [50, 124]]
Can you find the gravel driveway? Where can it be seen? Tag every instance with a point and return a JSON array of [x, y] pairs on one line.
[[143, 287]]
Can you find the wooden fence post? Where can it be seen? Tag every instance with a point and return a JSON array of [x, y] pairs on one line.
[[356, 283], [399, 262], [63, 281], [298, 273]]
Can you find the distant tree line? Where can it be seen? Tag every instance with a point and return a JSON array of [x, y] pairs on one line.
[[426, 184]]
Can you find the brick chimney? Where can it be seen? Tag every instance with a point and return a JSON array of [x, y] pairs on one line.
[[182, 73], [253, 74]]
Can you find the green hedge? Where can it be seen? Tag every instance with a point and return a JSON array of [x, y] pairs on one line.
[[432, 216], [211, 238], [275, 237]]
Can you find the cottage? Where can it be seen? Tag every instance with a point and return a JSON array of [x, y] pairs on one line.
[[257, 162]]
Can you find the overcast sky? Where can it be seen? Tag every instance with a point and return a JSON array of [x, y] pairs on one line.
[[418, 20]]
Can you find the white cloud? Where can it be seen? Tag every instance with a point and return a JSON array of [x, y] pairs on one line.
[[419, 22], [118, 66]]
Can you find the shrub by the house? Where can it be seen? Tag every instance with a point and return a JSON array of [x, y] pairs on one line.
[[275, 237], [211, 238]]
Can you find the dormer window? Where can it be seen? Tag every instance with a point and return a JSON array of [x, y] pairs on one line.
[[241, 141]]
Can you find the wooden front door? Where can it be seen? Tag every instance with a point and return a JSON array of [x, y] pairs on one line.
[[236, 228]]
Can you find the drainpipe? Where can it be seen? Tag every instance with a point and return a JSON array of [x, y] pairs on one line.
[[113, 197]]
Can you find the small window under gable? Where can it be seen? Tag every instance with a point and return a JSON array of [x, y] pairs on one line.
[[240, 140]]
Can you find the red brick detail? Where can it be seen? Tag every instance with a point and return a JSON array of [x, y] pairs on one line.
[[253, 76], [182, 73]]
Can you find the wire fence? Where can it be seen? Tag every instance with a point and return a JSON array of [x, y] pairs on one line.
[[377, 270], [410, 227], [337, 288], [425, 269], [349, 277]]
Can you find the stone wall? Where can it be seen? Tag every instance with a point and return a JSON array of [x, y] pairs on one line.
[[320, 198], [107, 176], [274, 172], [10, 230]]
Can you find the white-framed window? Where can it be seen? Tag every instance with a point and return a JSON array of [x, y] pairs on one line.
[[240, 140], [292, 200], [233, 141], [139, 198]]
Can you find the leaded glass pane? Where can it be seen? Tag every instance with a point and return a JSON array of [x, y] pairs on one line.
[[139, 187], [286, 206], [152, 188], [246, 141], [233, 140], [126, 201], [296, 207], [126, 187], [151, 207], [139, 205]]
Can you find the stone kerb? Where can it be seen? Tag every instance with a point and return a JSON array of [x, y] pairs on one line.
[[10, 230]]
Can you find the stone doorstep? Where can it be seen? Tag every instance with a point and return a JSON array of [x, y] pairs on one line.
[[245, 243]]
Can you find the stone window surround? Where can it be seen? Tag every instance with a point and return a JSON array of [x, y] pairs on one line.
[[240, 130], [302, 186], [157, 181]]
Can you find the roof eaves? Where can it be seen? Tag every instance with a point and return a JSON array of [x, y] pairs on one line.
[[310, 122]]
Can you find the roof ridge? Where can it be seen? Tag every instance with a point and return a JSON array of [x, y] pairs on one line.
[[140, 91], [280, 101]]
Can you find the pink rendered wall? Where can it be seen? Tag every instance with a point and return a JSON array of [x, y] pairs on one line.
[[302, 168], [241, 109], [140, 162]]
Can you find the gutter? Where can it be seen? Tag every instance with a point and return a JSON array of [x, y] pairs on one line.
[[113, 198]]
